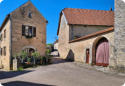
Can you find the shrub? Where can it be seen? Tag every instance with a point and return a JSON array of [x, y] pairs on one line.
[[35, 54], [20, 68], [48, 51], [23, 54]]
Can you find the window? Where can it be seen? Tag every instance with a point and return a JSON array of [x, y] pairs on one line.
[[28, 31], [30, 14], [4, 51], [1, 37], [4, 33], [1, 52]]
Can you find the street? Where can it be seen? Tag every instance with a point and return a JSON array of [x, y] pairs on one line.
[[60, 74]]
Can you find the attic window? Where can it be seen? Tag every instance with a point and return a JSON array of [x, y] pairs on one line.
[[30, 15]]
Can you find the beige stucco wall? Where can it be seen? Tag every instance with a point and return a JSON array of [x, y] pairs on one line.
[[79, 48], [19, 18], [5, 60]]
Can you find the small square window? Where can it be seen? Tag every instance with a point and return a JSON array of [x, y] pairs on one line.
[[30, 15], [4, 33], [4, 51]]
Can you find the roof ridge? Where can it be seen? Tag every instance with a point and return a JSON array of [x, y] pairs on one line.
[[87, 9]]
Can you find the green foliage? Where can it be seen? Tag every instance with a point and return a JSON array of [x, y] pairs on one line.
[[23, 54], [28, 59], [50, 44], [20, 68], [35, 54], [15, 56], [48, 51]]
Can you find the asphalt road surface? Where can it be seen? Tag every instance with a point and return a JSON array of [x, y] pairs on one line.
[[60, 74]]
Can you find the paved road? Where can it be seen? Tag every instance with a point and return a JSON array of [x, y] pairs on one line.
[[60, 74]]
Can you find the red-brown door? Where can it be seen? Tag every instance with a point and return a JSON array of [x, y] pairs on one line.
[[87, 56], [102, 53]]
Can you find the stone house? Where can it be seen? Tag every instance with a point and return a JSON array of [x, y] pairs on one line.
[[24, 29], [56, 45], [87, 36]]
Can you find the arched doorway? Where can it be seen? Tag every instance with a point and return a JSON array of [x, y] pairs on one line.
[[29, 50], [101, 52]]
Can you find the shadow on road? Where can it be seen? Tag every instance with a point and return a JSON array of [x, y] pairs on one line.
[[57, 60], [21, 83], [4, 75]]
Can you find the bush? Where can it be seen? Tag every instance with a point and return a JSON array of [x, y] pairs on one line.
[[48, 51], [20, 69], [35, 54], [23, 54]]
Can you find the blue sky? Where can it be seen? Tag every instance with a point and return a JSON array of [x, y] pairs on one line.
[[50, 9]]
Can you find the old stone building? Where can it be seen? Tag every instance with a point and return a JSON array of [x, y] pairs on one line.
[[24, 29], [87, 36], [120, 32]]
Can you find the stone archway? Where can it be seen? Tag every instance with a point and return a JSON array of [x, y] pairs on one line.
[[100, 52], [29, 49]]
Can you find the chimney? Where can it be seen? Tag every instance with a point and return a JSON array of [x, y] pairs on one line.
[[110, 9]]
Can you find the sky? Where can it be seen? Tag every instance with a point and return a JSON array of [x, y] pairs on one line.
[[51, 9]]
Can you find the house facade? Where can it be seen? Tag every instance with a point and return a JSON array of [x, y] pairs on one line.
[[87, 36], [24, 29], [56, 45]]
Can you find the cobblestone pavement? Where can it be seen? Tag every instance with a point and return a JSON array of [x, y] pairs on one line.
[[61, 74]]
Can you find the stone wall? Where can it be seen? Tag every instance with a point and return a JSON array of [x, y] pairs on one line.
[[20, 17], [79, 48], [5, 42], [120, 32], [82, 30], [63, 38]]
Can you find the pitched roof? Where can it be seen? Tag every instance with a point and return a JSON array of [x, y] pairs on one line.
[[93, 34], [8, 15], [88, 17]]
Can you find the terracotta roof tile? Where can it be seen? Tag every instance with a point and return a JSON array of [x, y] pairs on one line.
[[89, 17]]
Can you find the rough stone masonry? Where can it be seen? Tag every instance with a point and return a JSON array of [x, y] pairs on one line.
[[120, 33]]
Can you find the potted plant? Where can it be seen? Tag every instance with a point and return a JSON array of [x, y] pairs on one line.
[[35, 55], [23, 56]]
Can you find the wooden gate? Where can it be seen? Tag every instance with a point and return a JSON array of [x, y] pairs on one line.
[[102, 52]]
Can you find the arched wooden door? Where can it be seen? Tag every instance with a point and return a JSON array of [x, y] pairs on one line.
[[102, 52]]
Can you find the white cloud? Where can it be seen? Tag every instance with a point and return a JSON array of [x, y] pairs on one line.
[[1, 1], [123, 0]]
